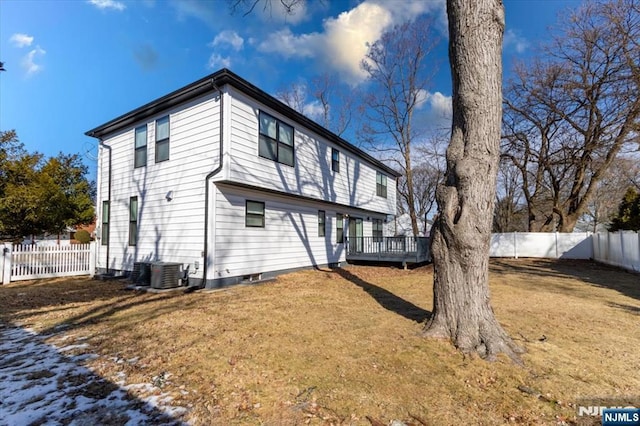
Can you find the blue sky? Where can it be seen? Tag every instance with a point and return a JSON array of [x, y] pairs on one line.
[[73, 65]]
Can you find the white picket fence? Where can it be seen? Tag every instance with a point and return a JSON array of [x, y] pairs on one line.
[[27, 262]]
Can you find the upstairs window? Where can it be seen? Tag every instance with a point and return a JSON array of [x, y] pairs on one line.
[[322, 220], [254, 214], [133, 220], [162, 139], [339, 228], [377, 230], [381, 185], [140, 159], [276, 140], [105, 223], [335, 160]]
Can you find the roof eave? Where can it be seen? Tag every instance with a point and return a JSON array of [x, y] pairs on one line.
[[211, 83]]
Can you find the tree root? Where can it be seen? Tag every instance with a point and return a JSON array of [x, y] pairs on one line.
[[484, 338]]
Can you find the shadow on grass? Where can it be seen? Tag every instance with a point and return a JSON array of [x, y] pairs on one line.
[[592, 273], [55, 297], [386, 299], [628, 308]]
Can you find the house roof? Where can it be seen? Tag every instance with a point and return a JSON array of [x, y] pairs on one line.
[[211, 83]]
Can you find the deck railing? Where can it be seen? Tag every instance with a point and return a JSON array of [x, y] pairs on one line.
[[418, 246]]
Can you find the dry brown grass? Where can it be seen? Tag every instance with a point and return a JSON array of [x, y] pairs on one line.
[[338, 346]]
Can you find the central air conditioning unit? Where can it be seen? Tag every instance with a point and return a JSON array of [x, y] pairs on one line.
[[141, 274], [166, 275]]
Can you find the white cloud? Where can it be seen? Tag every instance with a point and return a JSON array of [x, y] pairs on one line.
[[514, 40], [440, 104], [411, 9], [313, 109], [21, 40], [228, 37], [28, 61], [108, 4], [421, 98], [217, 61], [290, 45], [342, 44], [435, 109]]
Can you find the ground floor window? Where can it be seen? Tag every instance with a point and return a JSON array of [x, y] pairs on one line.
[[322, 220], [133, 220], [254, 214], [105, 223], [377, 230], [339, 228]]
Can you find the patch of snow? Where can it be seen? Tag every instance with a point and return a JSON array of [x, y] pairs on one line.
[[39, 384], [72, 347]]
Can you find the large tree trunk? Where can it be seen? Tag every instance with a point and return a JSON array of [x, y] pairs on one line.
[[462, 311]]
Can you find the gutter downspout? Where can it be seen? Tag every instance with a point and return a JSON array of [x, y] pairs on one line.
[[206, 189], [102, 144]]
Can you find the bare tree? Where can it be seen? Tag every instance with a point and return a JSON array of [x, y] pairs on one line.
[[510, 213], [324, 101], [571, 113], [462, 311], [398, 81], [431, 165], [601, 209], [295, 96], [246, 7], [425, 181]]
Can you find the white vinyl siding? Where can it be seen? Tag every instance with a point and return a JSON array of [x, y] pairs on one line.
[[312, 176], [166, 230], [288, 240]]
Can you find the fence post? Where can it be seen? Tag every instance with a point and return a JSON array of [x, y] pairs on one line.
[[515, 245], [6, 264], [92, 258], [624, 256]]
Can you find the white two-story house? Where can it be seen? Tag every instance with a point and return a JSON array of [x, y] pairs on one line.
[[233, 184]]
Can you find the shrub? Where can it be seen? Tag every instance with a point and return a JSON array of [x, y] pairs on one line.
[[83, 236]]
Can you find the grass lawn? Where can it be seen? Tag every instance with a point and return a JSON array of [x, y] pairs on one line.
[[339, 346]]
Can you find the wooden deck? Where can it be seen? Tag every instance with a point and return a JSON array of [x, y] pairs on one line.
[[405, 250]]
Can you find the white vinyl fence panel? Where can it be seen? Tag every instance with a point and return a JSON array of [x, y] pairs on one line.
[[552, 245], [26, 262], [618, 249]]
